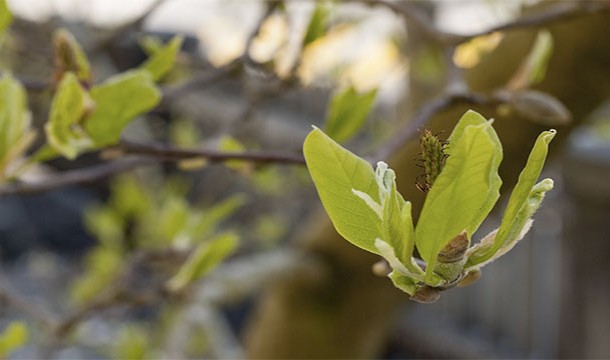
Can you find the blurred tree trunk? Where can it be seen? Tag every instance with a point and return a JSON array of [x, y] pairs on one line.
[[350, 315]]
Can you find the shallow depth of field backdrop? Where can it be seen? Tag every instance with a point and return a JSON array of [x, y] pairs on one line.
[[193, 230]]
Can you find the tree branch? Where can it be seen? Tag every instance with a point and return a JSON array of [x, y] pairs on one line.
[[171, 153]]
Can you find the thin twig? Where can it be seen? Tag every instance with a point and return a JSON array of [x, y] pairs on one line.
[[74, 177], [10, 296], [172, 153]]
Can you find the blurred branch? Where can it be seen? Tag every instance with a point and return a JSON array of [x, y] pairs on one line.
[[73, 177], [560, 11], [11, 297], [172, 153]]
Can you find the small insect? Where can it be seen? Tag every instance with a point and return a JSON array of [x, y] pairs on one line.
[[431, 158]]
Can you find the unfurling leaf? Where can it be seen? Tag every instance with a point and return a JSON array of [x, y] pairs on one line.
[[366, 209], [163, 59], [205, 257], [523, 202], [347, 112], [16, 134], [466, 190], [70, 57], [70, 105], [118, 101]]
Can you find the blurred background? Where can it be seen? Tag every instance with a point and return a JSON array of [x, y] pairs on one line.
[[253, 76]]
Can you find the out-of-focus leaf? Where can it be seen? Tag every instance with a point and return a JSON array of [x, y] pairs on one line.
[[102, 265], [69, 106], [174, 219], [523, 201], [132, 343], [15, 123], [150, 44], [205, 257], [347, 113], [184, 133], [13, 337], [231, 145], [117, 102], [163, 60], [106, 225], [533, 68], [469, 54], [336, 172], [70, 57], [208, 220], [465, 191], [6, 16], [129, 198], [318, 24]]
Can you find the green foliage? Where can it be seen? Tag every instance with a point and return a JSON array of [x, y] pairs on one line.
[[119, 100], [318, 24], [70, 57], [335, 172], [132, 343], [366, 209], [205, 257], [6, 17], [347, 112], [465, 191], [69, 107], [102, 264], [533, 68], [13, 337], [16, 133], [163, 59]]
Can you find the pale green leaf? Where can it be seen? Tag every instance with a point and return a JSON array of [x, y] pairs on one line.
[[13, 337], [117, 102], [336, 172], [317, 24], [163, 60], [132, 343], [523, 201], [69, 106], [533, 68], [6, 16], [208, 220], [347, 112], [465, 191], [15, 122], [205, 257], [70, 57], [102, 265]]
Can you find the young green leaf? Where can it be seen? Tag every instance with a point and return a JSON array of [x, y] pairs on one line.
[[465, 191], [347, 113], [523, 201], [337, 173], [6, 17], [533, 68], [69, 106], [132, 342], [205, 257], [12, 338], [117, 102], [317, 24], [70, 57], [163, 60], [15, 122]]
